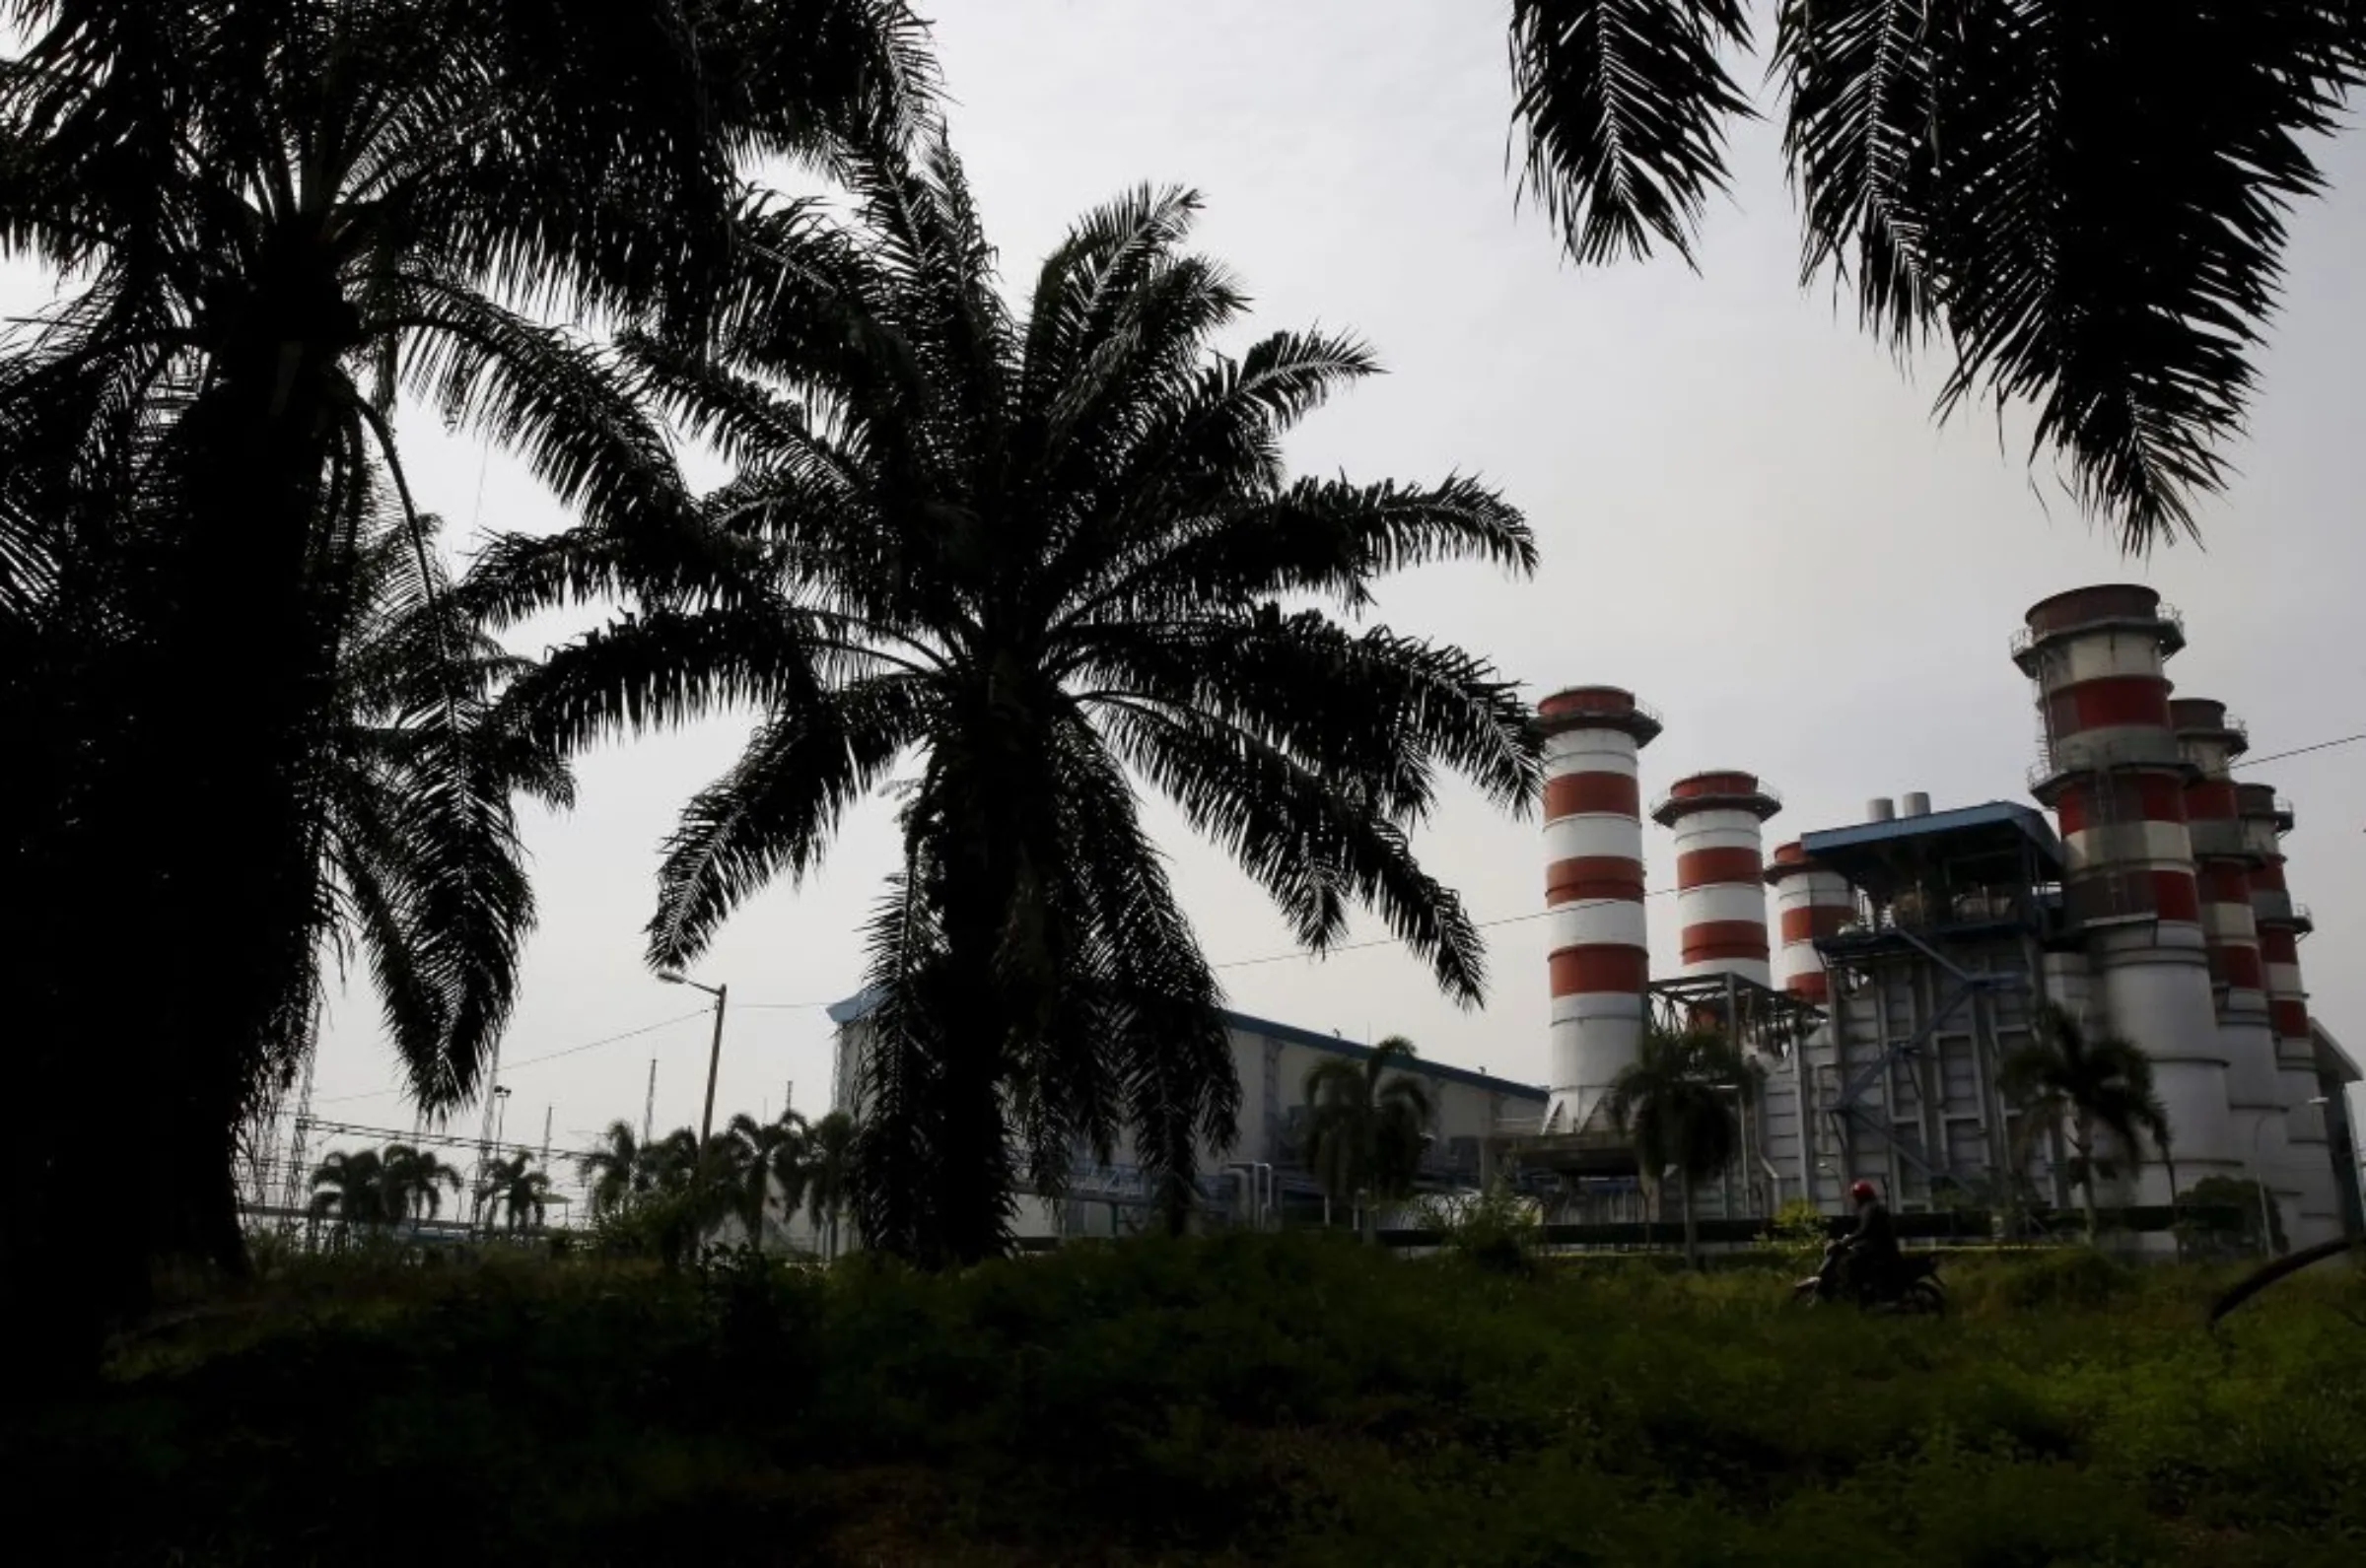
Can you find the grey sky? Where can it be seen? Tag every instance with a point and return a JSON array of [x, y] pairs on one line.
[[1745, 516]]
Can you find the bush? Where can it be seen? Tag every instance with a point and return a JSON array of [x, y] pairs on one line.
[[1496, 1229], [1242, 1398]]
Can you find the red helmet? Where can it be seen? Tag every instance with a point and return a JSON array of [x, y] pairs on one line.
[[1862, 1191]]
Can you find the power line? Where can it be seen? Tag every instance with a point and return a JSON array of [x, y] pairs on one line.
[[2300, 751], [570, 1051], [595, 1045], [1391, 941]]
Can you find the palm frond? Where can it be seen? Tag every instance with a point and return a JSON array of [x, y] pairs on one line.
[[778, 808], [1625, 104]]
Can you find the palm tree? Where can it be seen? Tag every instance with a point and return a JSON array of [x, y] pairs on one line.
[[676, 1163], [2062, 1078], [764, 1157], [1367, 1123], [616, 1173], [272, 215], [2087, 202], [351, 1187], [1677, 1103], [1045, 556], [414, 1182], [520, 1191], [828, 1175]]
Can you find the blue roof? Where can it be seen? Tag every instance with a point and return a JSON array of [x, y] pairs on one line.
[[1997, 819], [861, 1004]]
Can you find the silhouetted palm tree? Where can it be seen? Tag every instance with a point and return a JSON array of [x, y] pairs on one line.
[[1045, 556], [828, 1175], [2087, 201], [1366, 1126], [350, 1186], [1677, 1101], [2087, 1086], [616, 1172], [765, 1158], [271, 215], [414, 1182], [515, 1187]]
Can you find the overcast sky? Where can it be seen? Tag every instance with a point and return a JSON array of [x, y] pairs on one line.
[[1743, 511]]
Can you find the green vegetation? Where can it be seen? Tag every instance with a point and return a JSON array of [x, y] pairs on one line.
[[1244, 1401]]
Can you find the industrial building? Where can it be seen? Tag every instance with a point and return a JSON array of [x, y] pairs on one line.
[[2146, 893], [1264, 1177], [1916, 947]]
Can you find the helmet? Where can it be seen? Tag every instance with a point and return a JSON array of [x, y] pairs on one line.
[[1862, 1192]]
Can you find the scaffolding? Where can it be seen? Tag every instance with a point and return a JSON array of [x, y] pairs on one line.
[[1937, 980]]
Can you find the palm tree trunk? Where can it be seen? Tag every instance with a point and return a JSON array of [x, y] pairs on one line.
[[1368, 1218], [2083, 1143], [1692, 1229], [2177, 1234]]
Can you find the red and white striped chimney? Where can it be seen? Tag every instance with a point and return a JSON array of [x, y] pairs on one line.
[[2223, 861], [1600, 954], [1721, 871], [1809, 901], [2281, 925], [2116, 777]]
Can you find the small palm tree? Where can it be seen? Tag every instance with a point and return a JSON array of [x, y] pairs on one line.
[[675, 1163], [350, 1187], [760, 1157], [1366, 1123], [616, 1172], [518, 1189], [828, 1175], [1678, 1102], [2089, 1086], [415, 1181]]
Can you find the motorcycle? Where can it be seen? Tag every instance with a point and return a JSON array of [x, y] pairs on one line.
[[1912, 1289]]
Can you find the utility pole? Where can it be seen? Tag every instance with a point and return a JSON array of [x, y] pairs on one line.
[[723, 996], [546, 1110], [649, 1107]]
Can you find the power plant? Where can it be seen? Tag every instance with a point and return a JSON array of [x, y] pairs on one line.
[[1915, 950]]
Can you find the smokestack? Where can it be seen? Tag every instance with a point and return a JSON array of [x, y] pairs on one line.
[[2116, 777], [1880, 810], [1914, 803], [2281, 925], [1810, 902], [1600, 955], [2223, 862], [1721, 871]]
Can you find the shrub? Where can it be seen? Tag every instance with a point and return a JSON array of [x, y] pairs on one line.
[[1497, 1229], [1241, 1398]]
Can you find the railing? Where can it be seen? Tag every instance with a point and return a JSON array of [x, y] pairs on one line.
[[2027, 636], [1706, 800], [2075, 754]]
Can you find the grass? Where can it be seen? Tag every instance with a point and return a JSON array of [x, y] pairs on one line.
[[1231, 1402]]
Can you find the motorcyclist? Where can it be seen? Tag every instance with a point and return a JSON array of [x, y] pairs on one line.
[[1870, 1251]]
